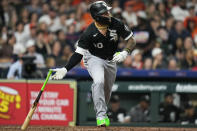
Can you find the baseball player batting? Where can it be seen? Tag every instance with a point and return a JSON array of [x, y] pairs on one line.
[[97, 46]]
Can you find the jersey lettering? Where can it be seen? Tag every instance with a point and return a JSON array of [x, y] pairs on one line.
[[95, 35], [126, 27], [98, 45], [113, 35]]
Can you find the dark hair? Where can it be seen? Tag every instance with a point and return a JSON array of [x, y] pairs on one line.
[[20, 22], [188, 106], [115, 98], [145, 98], [168, 94]]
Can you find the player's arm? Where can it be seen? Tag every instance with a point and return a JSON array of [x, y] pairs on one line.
[[73, 61], [128, 36], [130, 44], [75, 58], [82, 47]]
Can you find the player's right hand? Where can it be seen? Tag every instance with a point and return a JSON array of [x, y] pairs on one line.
[[58, 73]]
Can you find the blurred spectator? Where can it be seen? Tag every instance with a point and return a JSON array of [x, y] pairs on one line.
[[189, 116], [32, 23], [180, 58], [51, 38], [3, 35], [190, 22], [115, 112], [130, 16], [140, 112], [45, 8], [188, 43], [169, 4], [172, 65], [43, 27], [158, 61], [15, 70], [136, 5], [179, 51], [7, 48], [178, 31], [72, 36], [179, 11], [116, 7], [137, 59], [179, 44], [56, 50], [2, 18], [59, 24], [82, 16], [169, 23], [163, 38], [86, 20], [61, 37], [62, 24], [144, 36], [21, 36], [31, 51], [54, 4], [162, 12], [155, 23], [68, 6], [42, 44], [50, 62], [66, 54], [192, 3], [195, 56], [50, 20], [6, 51], [127, 62], [150, 10], [148, 64], [188, 61], [168, 111], [116, 10], [195, 41], [8, 12], [24, 16], [32, 32], [34, 7]]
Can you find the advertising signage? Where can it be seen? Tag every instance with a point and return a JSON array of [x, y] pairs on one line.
[[57, 105]]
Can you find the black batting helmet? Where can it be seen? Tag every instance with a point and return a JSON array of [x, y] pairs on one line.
[[97, 9]]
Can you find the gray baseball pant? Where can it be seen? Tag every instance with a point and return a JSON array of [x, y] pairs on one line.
[[103, 73]]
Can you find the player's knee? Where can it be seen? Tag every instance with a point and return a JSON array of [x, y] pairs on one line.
[[99, 81]]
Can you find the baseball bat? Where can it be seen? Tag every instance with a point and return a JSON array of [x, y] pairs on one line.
[[33, 108]]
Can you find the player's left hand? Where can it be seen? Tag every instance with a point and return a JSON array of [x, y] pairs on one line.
[[120, 56]]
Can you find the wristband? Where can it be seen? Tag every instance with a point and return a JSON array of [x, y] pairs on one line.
[[128, 50]]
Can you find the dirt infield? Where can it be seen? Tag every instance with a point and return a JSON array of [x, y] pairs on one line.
[[92, 128]]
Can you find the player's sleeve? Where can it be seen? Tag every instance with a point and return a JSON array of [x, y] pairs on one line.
[[125, 32], [80, 50], [83, 41], [82, 47], [73, 61]]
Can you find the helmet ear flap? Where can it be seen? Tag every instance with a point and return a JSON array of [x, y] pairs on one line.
[[103, 20], [97, 18]]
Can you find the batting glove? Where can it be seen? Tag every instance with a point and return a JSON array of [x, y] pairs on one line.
[[120, 56], [59, 73]]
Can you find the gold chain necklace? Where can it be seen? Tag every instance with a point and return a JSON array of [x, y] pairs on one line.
[[101, 27]]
